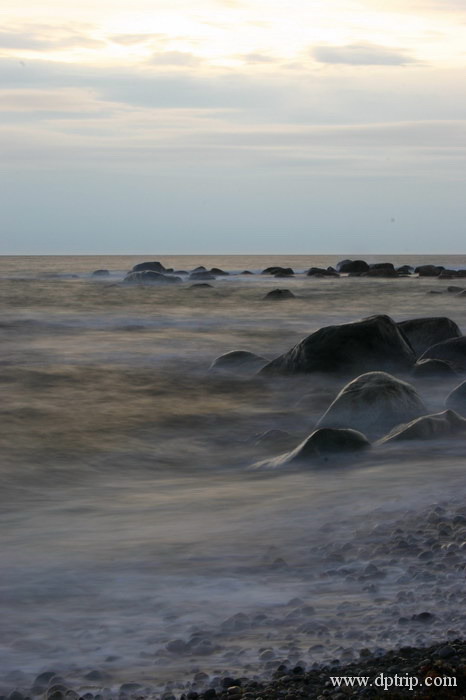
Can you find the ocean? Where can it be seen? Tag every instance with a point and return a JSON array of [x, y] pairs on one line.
[[138, 542]]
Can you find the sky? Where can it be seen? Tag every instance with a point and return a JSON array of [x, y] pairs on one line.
[[232, 126]]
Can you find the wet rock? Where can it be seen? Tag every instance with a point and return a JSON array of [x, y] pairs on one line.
[[218, 271], [429, 270], [153, 266], [150, 277], [201, 285], [100, 273], [452, 351], [433, 368], [380, 272], [374, 343], [372, 404], [247, 272], [436, 426], [352, 266], [456, 399], [275, 270], [455, 290], [322, 272], [322, 442], [422, 333], [238, 362], [279, 294], [405, 270], [177, 646], [43, 679], [199, 268]]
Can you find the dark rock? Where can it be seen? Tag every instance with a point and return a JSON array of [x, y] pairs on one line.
[[180, 272], [448, 275], [456, 400], [218, 271], [405, 270], [154, 266], [100, 273], [247, 272], [433, 368], [429, 270], [279, 294], [455, 290], [437, 426], [383, 266], [452, 351], [275, 270], [150, 277], [352, 266], [177, 646], [374, 343], [201, 285], [200, 268], [424, 617], [43, 679], [280, 275], [238, 362], [201, 275], [372, 404], [321, 442], [383, 271], [320, 271], [424, 332]]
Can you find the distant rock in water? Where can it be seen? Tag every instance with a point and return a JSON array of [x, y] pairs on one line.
[[354, 266], [200, 268], [429, 270], [238, 362], [323, 442], [201, 275], [201, 285], [279, 294], [154, 266], [372, 344], [437, 426], [422, 333], [373, 403], [275, 270], [405, 270], [456, 400], [100, 273], [218, 271], [452, 351], [322, 272], [381, 270], [455, 290], [150, 277], [433, 368], [247, 272]]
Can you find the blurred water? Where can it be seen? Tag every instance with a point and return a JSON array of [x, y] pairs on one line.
[[129, 517]]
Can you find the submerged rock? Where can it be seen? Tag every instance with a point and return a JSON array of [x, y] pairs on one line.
[[100, 273], [150, 277], [320, 443], [373, 403], [201, 275], [154, 266], [218, 271], [374, 343], [201, 285], [424, 332], [275, 270], [452, 351], [436, 426], [456, 400], [279, 294], [429, 270], [238, 362]]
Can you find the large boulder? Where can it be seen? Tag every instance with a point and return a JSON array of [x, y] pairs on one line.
[[424, 369], [437, 426], [321, 443], [322, 272], [452, 351], [375, 343], [355, 266], [381, 270], [276, 269], [373, 403], [424, 332], [154, 266], [238, 362], [456, 399], [429, 270], [150, 277]]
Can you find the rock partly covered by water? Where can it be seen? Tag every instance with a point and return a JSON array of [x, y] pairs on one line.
[[238, 362], [422, 333], [436, 426], [154, 266], [352, 266], [279, 295], [433, 368], [321, 443], [150, 277], [452, 351], [374, 343], [373, 403], [456, 400]]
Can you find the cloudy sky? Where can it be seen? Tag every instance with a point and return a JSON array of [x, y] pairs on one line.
[[233, 126]]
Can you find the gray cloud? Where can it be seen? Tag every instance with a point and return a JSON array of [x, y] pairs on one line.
[[43, 37], [363, 54]]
